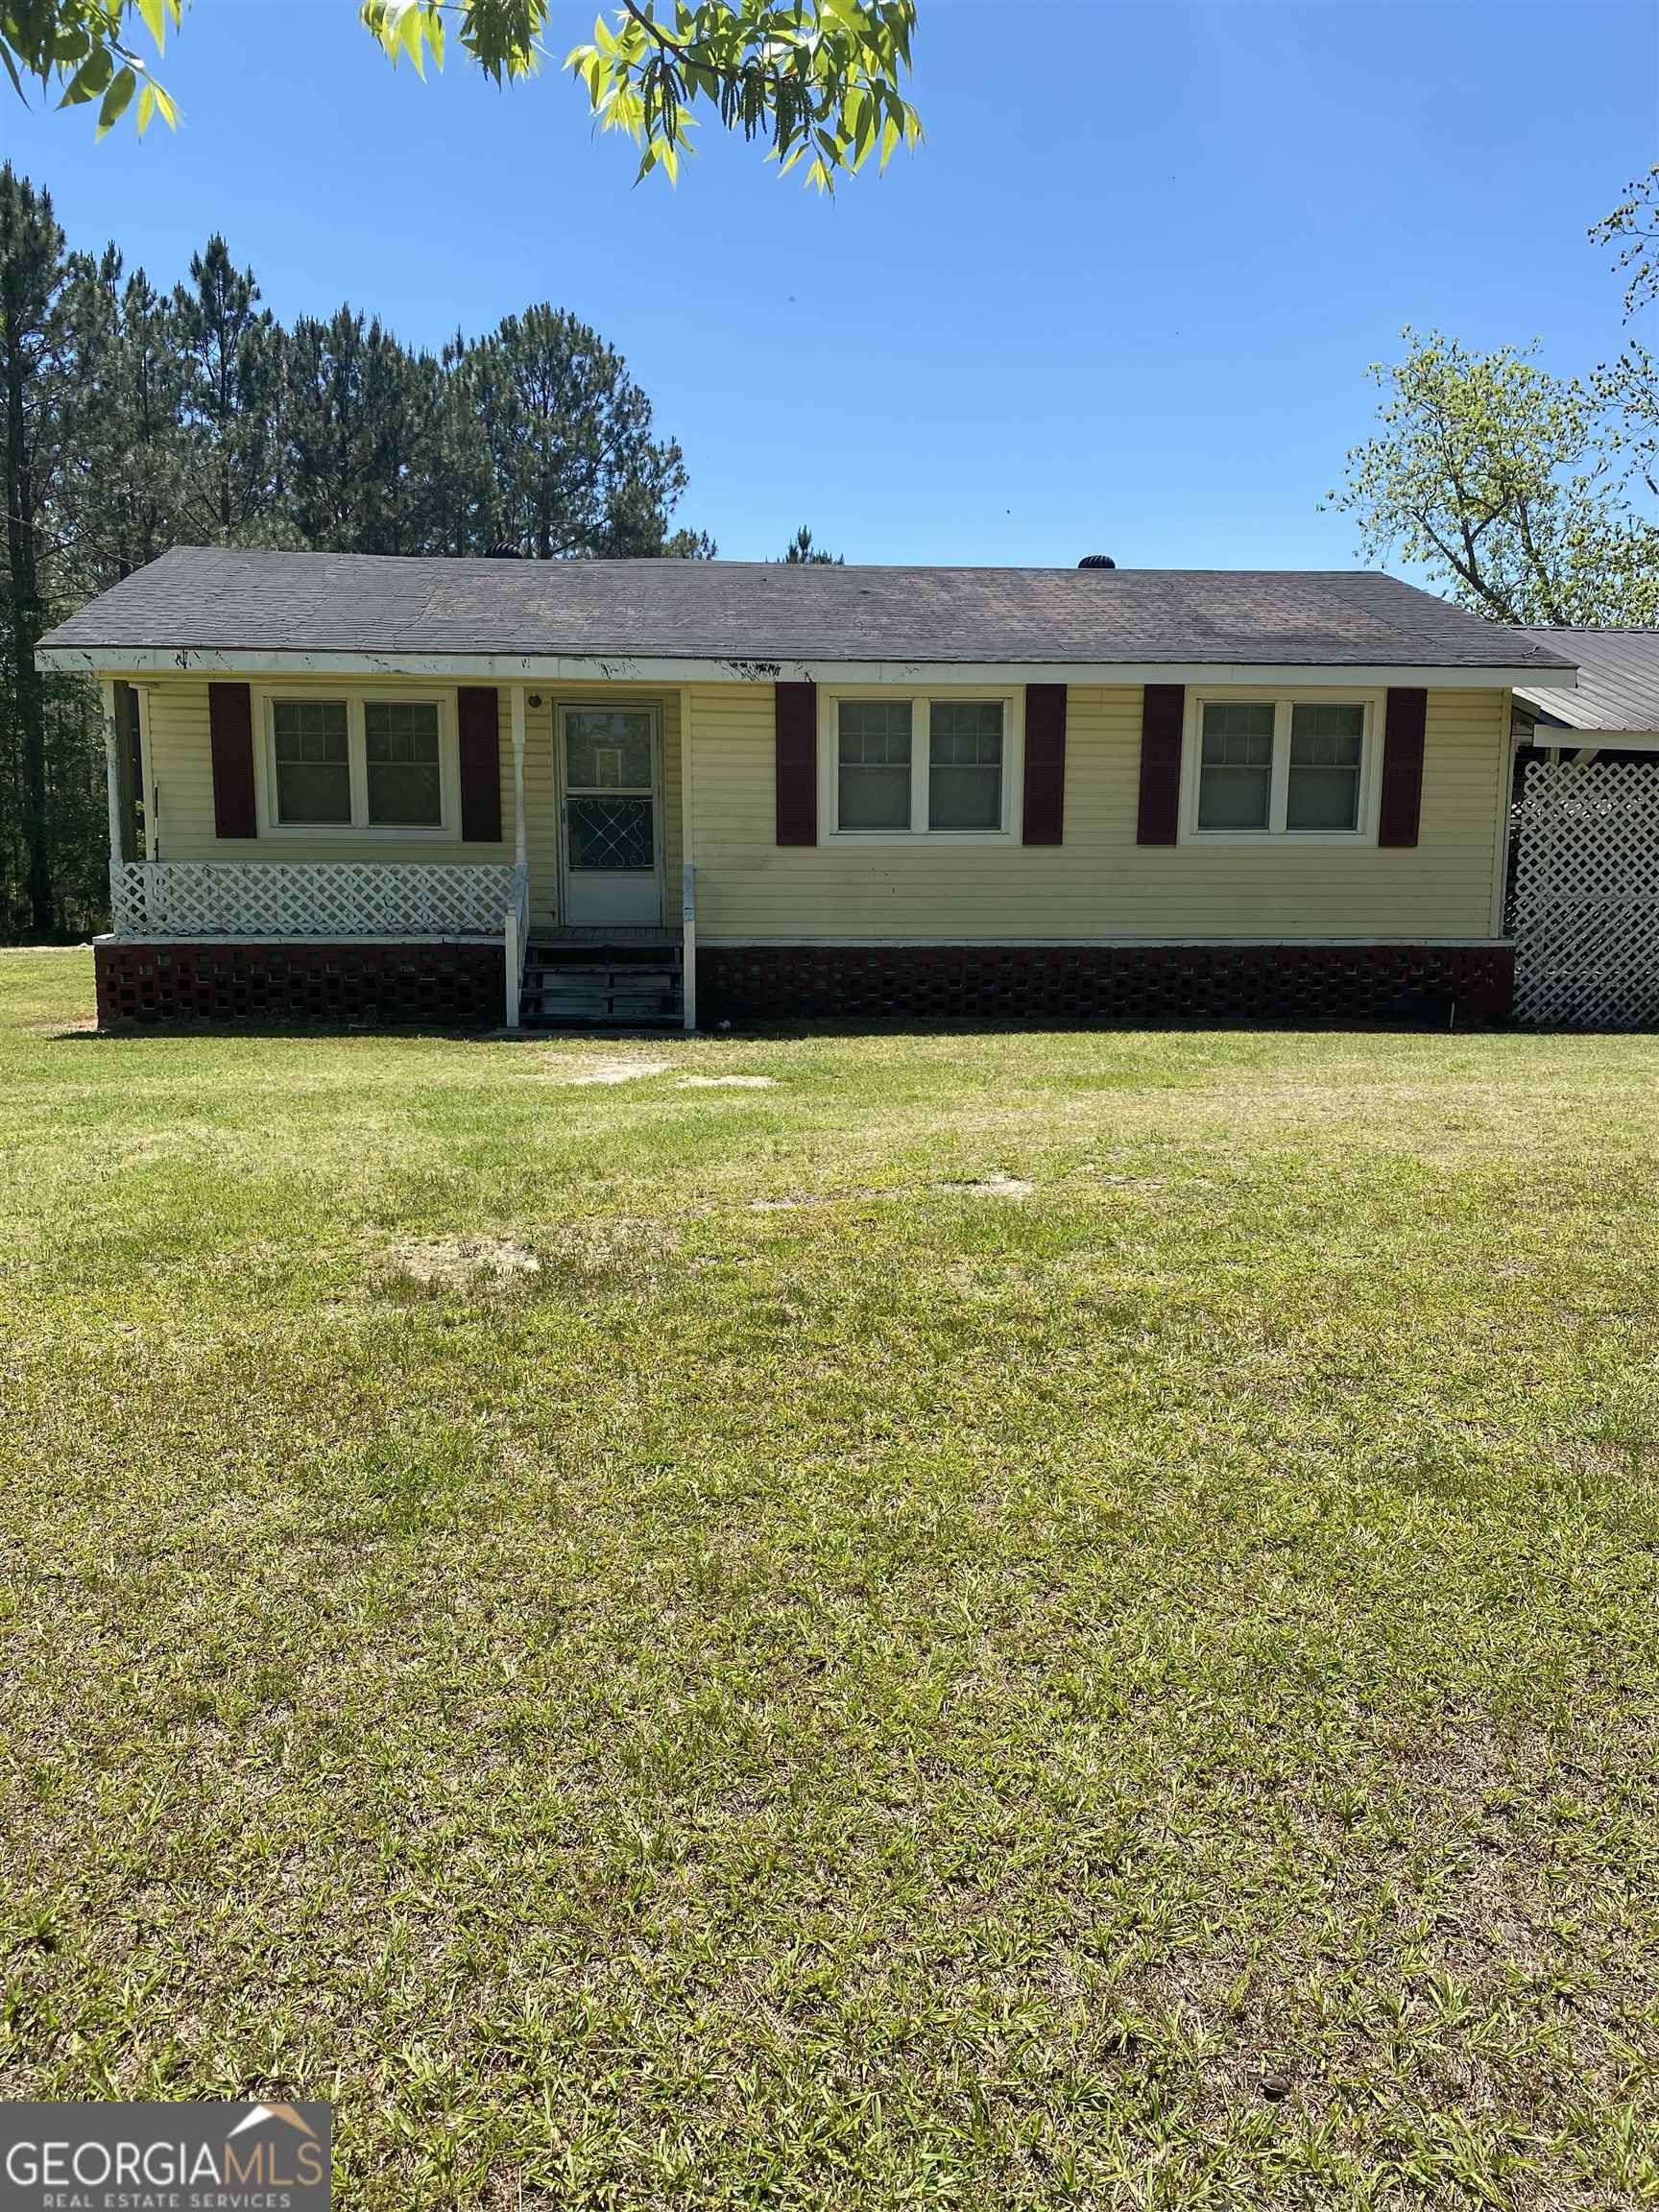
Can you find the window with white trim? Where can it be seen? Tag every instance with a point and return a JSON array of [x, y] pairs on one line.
[[965, 764], [311, 748], [346, 765], [920, 767], [1322, 788], [1235, 765], [1282, 767], [404, 775], [873, 764]]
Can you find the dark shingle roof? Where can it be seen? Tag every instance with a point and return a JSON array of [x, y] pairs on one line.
[[1618, 678], [227, 601]]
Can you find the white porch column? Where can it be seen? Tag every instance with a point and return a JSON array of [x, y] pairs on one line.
[[112, 779], [688, 868], [147, 767], [520, 845]]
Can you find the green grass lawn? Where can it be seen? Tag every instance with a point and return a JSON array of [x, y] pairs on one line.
[[684, 1646]]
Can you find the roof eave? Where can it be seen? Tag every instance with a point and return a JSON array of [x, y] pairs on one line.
[[1551, 730], [616, 667]]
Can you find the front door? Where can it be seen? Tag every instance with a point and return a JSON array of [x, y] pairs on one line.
[[608, 763]]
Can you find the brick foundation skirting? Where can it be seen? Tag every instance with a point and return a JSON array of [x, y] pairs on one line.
[[301, 986], [1301, 986]]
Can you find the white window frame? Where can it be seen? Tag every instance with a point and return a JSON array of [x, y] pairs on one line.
[[1012, 703], [1374, 704], [447, 830]]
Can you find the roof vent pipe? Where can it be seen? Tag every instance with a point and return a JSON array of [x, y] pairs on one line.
[[1096, 561]]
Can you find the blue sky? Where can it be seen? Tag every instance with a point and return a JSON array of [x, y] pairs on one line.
[[1122, 300]]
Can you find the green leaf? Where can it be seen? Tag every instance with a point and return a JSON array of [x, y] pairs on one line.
[[411, 36], [116, 99], [91, 79]]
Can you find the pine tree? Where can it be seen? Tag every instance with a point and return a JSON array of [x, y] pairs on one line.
[[37, 405], [123, 492], [573, 462], [802, 553], [462, 488], [233, 354], [324, 462], [402, 417]]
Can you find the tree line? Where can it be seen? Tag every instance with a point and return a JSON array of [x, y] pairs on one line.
[[133, 418]]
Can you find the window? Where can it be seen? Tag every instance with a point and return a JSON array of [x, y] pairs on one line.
[[1327, 752], [400, 751], [1235, 780], [359, 764], [875, 764], [606, 750], [919, 767], [1291, 767], [313, 764], [965, 764]]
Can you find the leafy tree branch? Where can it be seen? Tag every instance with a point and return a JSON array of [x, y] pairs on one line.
[[1633, 228], [1505, 484], [819, 80], [83, 51]]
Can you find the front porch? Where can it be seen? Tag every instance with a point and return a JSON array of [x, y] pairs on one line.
[[353, 942], [590, 920]]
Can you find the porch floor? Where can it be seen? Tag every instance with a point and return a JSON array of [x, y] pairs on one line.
[[557, 934]]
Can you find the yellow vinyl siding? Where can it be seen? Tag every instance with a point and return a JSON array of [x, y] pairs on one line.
[[180, 770], [1099, 883]]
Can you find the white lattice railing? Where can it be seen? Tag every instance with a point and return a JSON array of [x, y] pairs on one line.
[[1585, 912], [282, 899]]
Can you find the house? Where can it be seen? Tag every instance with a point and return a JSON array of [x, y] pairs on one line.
[[347, 788], [1615, 707]]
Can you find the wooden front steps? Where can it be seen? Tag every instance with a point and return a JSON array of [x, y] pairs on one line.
[[594, 982]]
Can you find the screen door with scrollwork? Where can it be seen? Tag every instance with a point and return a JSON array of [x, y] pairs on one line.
[[608, 766]]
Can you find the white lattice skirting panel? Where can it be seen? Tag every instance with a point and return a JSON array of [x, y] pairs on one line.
[[286, 904], [1586, 896]]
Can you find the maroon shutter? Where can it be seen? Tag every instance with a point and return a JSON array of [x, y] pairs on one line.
[[230, 733], [796, 731], [1161, 718], [1045, 815], [478, 721], [1401, 803]]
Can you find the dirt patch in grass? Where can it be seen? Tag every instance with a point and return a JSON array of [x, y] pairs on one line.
[[727, 1083], [459, 1263], [584, 1259], [967, 1186], [801, 1201], [621, 1068]]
